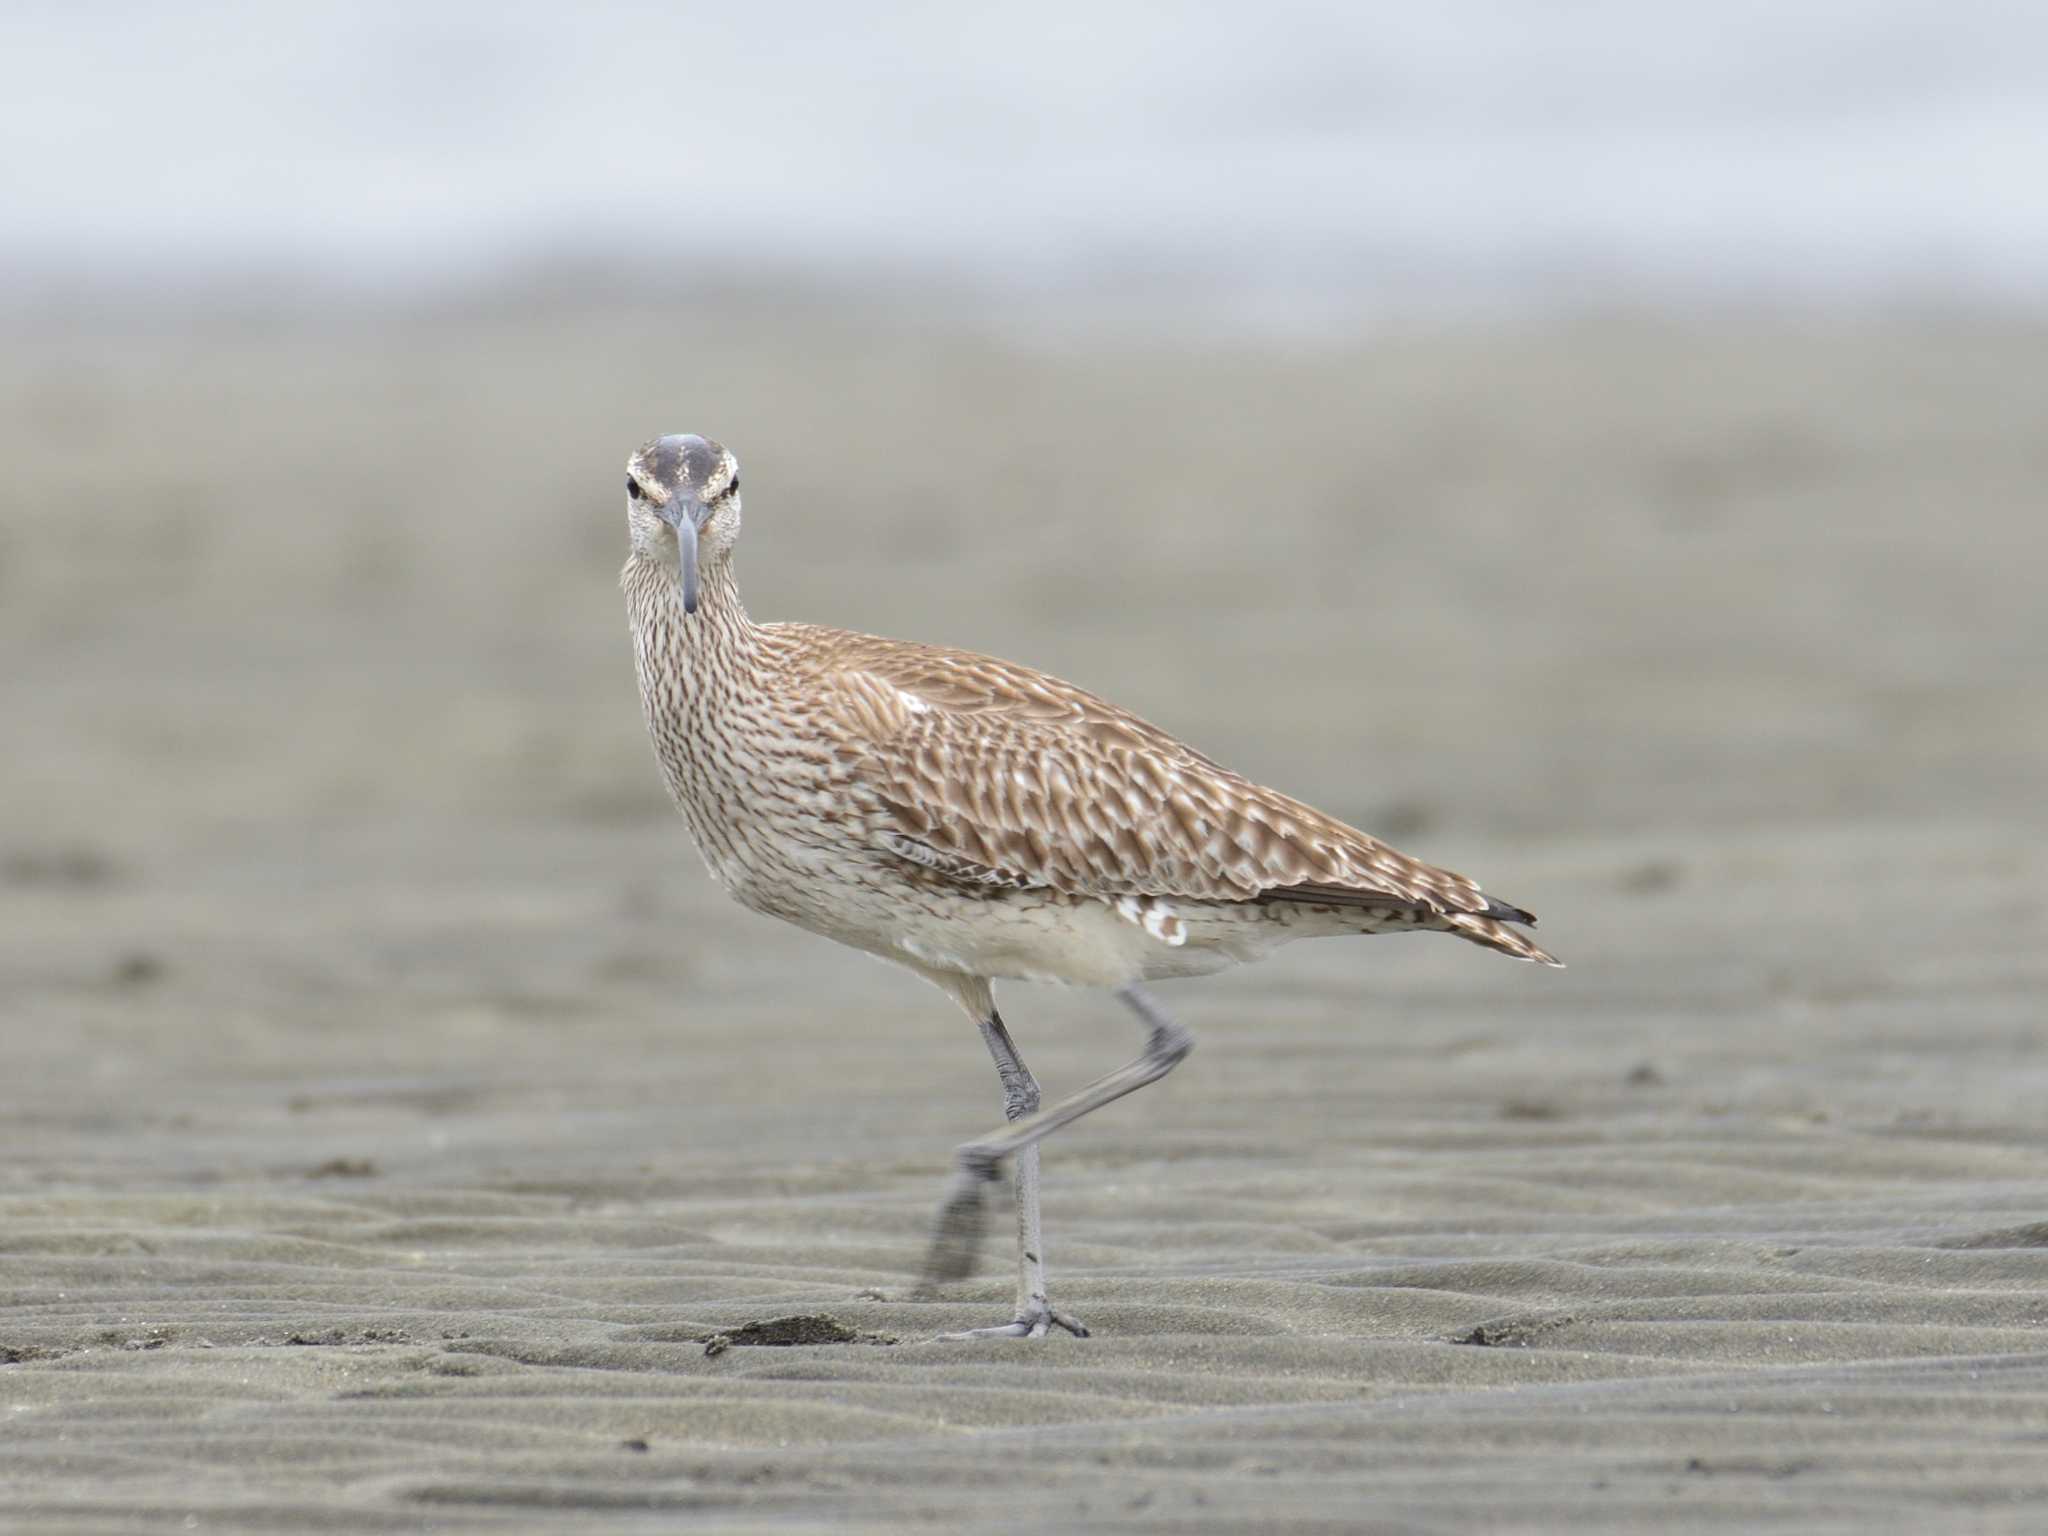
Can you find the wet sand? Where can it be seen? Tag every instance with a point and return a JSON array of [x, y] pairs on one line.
[[393, 1109]]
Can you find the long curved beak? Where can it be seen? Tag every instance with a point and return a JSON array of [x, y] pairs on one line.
[[686, 515]]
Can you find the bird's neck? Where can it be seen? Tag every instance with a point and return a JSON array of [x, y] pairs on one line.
[[718, 632]]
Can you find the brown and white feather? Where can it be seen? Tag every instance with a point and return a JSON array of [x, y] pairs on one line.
[[968, 814], [1005, 776]]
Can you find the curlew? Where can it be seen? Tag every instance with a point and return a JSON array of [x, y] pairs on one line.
[[974, 820]]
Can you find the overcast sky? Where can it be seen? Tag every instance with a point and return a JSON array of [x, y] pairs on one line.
[[1803, 148]]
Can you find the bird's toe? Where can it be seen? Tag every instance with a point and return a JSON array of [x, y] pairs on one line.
[[1035, 1321]]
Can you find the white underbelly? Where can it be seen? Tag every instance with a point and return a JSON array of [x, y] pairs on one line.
[[1031, 937]]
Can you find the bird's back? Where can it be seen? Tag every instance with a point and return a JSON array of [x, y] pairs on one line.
[[1001, 776]]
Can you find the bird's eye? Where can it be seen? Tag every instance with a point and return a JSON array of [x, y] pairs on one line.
[[734, 488], [633, 488]]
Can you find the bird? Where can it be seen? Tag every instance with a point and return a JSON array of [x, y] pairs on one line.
[[974, 821]]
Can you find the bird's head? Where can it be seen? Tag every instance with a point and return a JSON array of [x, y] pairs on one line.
[[683, 494]]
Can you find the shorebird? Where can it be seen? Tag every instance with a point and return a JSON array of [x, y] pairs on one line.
[[973, 820]]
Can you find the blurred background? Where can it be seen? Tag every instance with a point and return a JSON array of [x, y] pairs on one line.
[[1598, 445], [1303, 163]]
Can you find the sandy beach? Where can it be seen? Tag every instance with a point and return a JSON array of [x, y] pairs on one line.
[[393, 1109]]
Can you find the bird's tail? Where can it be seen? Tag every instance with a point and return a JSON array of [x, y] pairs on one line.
[[1495, 934]]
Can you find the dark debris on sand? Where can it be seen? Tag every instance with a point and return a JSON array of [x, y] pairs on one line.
[[802, 1328]]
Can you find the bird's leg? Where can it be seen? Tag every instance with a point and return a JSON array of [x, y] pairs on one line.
[[957, 1238], [1035, 1315]]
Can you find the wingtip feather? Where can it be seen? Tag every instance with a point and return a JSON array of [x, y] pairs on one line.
[[1481, 929]]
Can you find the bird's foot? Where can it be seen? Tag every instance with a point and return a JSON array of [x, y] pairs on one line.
[[957, 1234], [1034, 1321]]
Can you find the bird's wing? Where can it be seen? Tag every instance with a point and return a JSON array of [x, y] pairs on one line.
[[996, 775], [966, 683]]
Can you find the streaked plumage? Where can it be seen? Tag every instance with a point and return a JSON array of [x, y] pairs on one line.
[[973, 819]]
